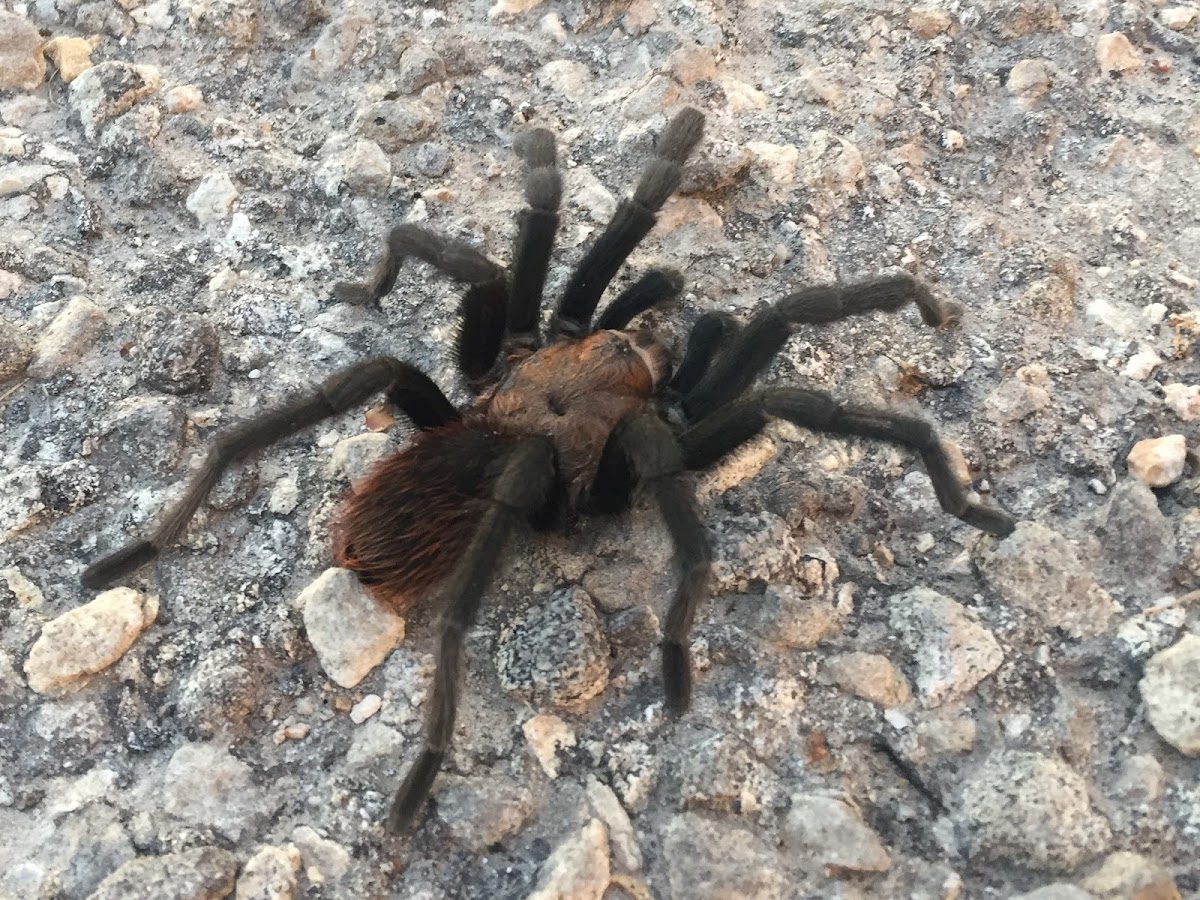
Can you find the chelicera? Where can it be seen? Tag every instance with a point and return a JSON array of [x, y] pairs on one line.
[[570, 421]]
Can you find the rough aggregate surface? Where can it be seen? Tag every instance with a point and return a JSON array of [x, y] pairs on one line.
[[887, 703]]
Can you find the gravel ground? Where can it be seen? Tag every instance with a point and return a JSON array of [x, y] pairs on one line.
[[888, 704]]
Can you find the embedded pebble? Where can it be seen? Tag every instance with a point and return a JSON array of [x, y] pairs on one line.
[[953, 653], [1141, 365], [829, 833], [745, 866], [547, 734], [1115, 53], [68, 338], [20, 499], [178, 353], [17, 178], [88, 639], [394, 124], [213, 198], [354, 457], [207, 786], [1158, 461], [578, 867], [332, 51], [363, 168], [236, 21], [1030, 809], [324, 860], [482, 811], [1130, 875], [183, 98], [928, 20], [1169, 687], [1029, 79], [870, 676], [107, 90], [16, 351], [792, 617], [22, 66], [1037, 569], [270, 874], [365, 708], [1178, 18], [1183, 400], [419, 67], [621, 838], [203, 873], [755, 547], [350, 630], [832, 169], [720, 772], [72, 56], [557, 654]]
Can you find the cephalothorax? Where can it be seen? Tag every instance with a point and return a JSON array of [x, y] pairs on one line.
[[573, 426]]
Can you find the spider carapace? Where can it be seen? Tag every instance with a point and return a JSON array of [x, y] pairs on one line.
[[570, 420]]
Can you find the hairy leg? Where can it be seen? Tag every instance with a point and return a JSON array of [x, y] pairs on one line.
[[409, 389], [538, 225], [742, 359], [642, 448], [521, 488], [735, 423], [483, 307], [655, 287], [711, 331], [634, 218]]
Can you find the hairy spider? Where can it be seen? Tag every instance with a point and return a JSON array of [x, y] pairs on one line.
[[572, 426]]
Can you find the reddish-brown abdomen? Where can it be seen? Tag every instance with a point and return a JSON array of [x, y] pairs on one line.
[[402, 529]]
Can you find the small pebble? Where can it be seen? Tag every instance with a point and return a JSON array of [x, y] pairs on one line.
[[213, 198], [1158, 461], [1181, 399], [204, 784], [22, 66], [365, 708], [578, 867], [547, 734], [1141, 365], [1169, 688], [270, 874], [88, 639], [350, 630], [72, 56], [107, 90], [828, 833], [202, 873], [1115, 53], [870, 676], [1178, 18], [183, 98]]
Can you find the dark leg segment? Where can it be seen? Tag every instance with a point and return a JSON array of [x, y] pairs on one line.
[[748, 354], [728, 427], [632, 221], [652, 455], [655, 287], [407, 388], [535, 241], [483, 308], [521, 488], [711, 331]]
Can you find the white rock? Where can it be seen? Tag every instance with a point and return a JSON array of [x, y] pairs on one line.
[[953, 652], [1171, 690], [365, 708], [68, 338], [1178, 18], [604, 803], [351, 631], [324, 860], [578, 867], [1141, 364], [213, 197], [547, 734], [1158, 461], [205, 785], [567, 77], [270, 874], [832, 834], [88, 639], [354, 456], [17, 178], [1183, 400], [1115, 53], [106, 90], [183, 98]]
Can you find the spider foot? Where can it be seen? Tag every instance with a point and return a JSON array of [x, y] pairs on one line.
[[403, 817], [677, 677], [104, 571]]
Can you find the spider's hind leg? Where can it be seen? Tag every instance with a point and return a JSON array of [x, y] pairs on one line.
[[407, 388]]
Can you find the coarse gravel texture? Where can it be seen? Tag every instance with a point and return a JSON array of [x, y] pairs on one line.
[[887, 703]]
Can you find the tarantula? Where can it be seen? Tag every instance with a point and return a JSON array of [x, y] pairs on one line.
[[575, 425]]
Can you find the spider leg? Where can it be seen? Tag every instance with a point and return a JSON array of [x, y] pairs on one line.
[[483, 306], [655, 287], [634, 218], [733, 424], [520, 489], [708, 334], [538, 225], [736, 367], [409, 389], [643, 448]]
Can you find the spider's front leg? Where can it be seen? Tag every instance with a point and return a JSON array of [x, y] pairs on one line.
[[521, 489], [642, 450]]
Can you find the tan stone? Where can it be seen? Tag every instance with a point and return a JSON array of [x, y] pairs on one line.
[[1158, 461], [1115, 53], [72, 56]]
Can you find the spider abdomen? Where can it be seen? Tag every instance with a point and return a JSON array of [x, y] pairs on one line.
[[405, 525]]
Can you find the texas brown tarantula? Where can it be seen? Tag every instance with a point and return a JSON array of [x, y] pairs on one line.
[[571, 426]]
